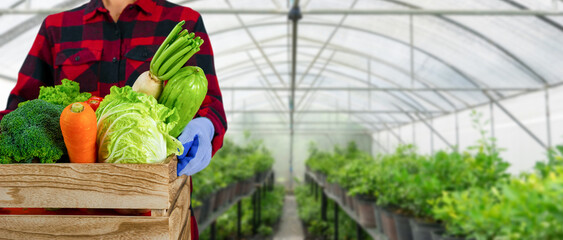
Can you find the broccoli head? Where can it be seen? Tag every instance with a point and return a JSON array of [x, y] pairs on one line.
[[32, 131]]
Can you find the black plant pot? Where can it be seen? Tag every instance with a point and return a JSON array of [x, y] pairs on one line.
[[378, 221], [439, 235], [388, 224], [206, 208], [404, 231], [423, 230], [364, 205]]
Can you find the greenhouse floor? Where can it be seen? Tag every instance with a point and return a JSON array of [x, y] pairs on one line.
[[290, 225]]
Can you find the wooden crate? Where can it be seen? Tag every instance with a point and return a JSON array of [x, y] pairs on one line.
[[95, 186]]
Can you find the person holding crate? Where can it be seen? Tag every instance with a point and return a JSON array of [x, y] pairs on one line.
[[106, 43]]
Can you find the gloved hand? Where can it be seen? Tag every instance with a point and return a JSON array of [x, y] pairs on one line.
[[196, 138]]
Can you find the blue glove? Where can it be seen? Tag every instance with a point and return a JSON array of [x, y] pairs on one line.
[[196, 138]]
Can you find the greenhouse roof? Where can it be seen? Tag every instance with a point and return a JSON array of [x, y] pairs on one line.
[[381, 62]]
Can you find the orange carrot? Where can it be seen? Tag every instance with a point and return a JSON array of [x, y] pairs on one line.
[[78, 125]]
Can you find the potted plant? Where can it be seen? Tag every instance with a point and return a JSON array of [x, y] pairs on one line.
[[394, 182]]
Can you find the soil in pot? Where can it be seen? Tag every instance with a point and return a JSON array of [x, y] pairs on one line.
[[388, 224], [422, 230], [404, 231]]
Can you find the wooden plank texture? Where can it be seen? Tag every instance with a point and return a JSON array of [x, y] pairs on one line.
[[83, 227], [186, 232], [97, 185], [179, 212]]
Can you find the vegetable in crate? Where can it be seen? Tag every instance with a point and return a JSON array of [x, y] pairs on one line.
[[134, 128], [185, 92], [94, 102], [66, 93], [173, 53], [78, 125], [32, 132]]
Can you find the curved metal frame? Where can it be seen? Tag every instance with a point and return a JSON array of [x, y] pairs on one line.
[[476, 83], [371, 58], [511, 55]]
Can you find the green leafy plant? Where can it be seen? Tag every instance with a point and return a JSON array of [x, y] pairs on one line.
[[310, 213], [231, 164], [271, 209]]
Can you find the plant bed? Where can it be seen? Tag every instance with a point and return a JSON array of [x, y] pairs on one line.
[[95, 187], [439, 235], [378, 221], [423, 230], [364, 206], [388, 224], [404, 231], [206, 208]]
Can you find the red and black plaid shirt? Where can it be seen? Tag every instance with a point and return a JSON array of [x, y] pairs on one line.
[[87, 46]]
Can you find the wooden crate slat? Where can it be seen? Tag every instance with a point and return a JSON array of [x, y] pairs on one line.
[[179, 213], [186, 232], [83, 227], [174, 192], [97, 185], [125, 186]]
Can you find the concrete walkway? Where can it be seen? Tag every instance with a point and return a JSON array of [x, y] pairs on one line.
[[290, 225]]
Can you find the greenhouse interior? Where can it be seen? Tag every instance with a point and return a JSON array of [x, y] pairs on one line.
[[310, 119]]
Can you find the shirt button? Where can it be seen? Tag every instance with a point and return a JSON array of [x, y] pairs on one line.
[[116, 32], [114, 59], [77, 58]]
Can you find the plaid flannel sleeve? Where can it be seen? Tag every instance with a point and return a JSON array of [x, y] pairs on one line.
[[212, 106], [36, 71]]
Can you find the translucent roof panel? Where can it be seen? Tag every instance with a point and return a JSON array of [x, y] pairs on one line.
[[424, 63]]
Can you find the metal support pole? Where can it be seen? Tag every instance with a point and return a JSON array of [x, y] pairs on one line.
[[294, 16], [431, 136], [335, 221], [492, 122], [433, 130], [212, 231], [414, 133], [312, 188], [457, 131], [349, 102], [259, 207], [254, 211], [388, 140], [379, 141], [316, 185], [548, 118], [369, 84], [411, 31], [359, 234], [239, 216], [400, 132], [273, 178], [520, 124], [357, 12], [397, 136], [323, 212]]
